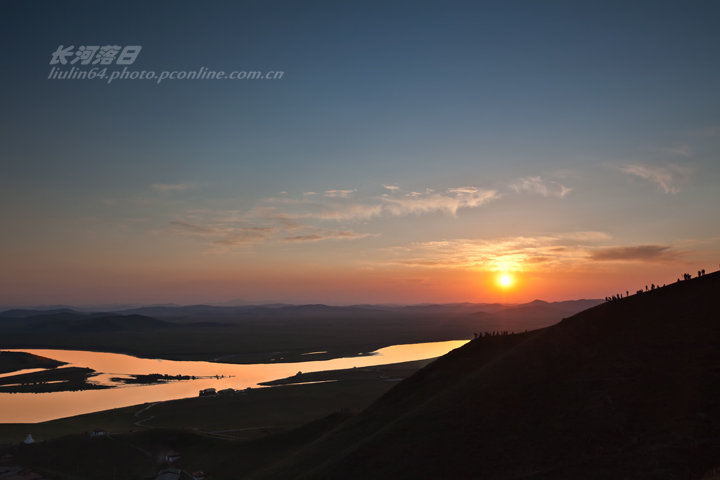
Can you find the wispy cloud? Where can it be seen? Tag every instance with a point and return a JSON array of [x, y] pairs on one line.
[[304, 219], [678, 150], [324, 209], [338, 206], [589, 236], [536, 185], [172, 187], [634, 253], [223, 235], [708, 131], [326, 235], [338, 193], [525, 253], [392, 188], [449, 203], [509, 253], [220, 230], [667, 177]]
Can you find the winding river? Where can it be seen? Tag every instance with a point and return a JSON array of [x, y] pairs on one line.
[[40, 407]]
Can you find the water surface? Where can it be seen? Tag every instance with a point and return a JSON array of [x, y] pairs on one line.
[[39, 407]]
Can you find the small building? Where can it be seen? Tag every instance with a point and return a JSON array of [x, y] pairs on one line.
[[98, 432], [198, 475], [208, 392], [29, 439], [172, 456]]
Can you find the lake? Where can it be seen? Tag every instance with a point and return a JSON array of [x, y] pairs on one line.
[[40, 407]]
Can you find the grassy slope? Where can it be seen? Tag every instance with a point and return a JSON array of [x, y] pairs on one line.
[[628, 389]]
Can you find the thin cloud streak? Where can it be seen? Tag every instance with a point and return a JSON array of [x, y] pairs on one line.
[[338, 193], [635, 253], [222, 235], [679, 150], [503, 254], [565, 250], [667, 178], [336, 206], [327, 235], [455, 199], [537, 185], [172, 187]]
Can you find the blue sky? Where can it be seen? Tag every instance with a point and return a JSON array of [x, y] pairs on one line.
[[413, 142]]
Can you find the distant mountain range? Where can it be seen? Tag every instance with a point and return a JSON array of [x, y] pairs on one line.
[[256, 333], [511, 317], [173, 310]]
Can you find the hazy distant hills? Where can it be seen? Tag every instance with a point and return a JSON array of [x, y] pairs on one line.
[[25, 313], [231, 314], [69, 321], [466, 317], [262, 333], [627, 389]]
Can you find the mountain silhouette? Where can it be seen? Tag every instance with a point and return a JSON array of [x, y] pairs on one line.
[[626, 389]]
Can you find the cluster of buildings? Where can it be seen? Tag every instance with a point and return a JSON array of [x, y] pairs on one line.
[[211, 392]]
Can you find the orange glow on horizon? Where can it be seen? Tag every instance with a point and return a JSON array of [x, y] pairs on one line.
[[329, 284]]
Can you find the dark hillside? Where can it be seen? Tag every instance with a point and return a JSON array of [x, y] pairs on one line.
[[627, 389]]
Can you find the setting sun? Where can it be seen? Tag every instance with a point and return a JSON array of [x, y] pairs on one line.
[[505, 280]]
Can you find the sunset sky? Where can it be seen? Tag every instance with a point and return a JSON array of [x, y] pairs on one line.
[[412, 152]]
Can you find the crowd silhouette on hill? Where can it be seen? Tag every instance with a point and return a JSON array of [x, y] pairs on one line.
[[618, 296], [496, 333]]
